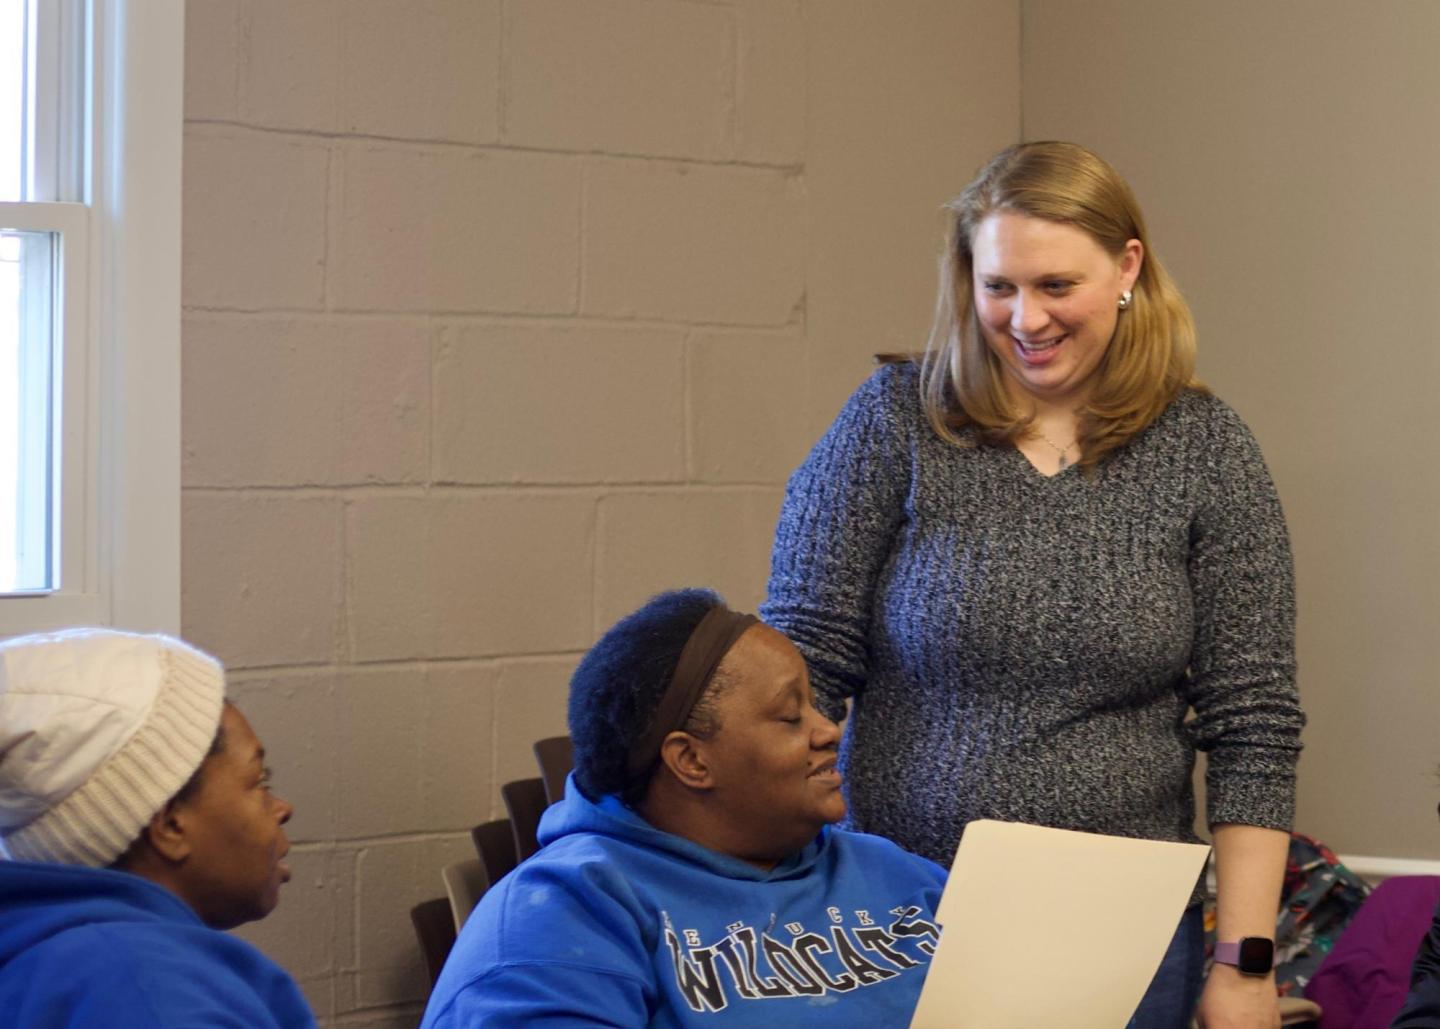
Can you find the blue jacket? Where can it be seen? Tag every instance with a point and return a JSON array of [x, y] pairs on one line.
[[616, 923], [85, 947]]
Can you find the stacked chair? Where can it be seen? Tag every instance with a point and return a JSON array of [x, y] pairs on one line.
[[500, 845]]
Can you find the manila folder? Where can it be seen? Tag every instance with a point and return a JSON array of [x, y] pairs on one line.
[[1049, 927]]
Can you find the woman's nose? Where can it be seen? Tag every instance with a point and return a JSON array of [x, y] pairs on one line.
[[1027, 315]]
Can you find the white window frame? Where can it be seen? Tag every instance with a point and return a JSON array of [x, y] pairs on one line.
[[120, 352]]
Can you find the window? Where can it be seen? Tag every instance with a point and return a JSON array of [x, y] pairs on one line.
[[28, 286], [89, 313]]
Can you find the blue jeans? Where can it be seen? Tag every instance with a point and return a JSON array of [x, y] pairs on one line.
[[1170, 1001]]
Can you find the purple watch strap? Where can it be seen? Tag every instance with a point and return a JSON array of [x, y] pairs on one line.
[[1252, 955]]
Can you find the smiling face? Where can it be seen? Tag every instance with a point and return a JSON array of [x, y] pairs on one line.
[[232, 824], [1046, 297], [772, 759]]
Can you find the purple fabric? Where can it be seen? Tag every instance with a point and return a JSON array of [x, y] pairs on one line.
[[1363, 981]]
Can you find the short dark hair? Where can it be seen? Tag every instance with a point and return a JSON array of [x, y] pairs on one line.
[[618, 685]]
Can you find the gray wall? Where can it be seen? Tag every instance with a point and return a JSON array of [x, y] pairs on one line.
[[1287, 156], [360, 554], [499, 317]]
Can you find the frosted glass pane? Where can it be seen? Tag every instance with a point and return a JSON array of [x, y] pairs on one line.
[[27, 366], [12, 97]]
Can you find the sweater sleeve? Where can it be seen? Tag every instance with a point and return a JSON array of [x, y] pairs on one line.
[[157, 975], [842, 509], [1242, 665], [557, 942], [544, 995]]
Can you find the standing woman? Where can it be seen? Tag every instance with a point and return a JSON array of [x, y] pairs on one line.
[[1026, 557]]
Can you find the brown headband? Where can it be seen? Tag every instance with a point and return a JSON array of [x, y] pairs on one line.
[[701, 655]]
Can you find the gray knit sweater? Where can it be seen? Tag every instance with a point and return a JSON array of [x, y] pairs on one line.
[[1026, 648]]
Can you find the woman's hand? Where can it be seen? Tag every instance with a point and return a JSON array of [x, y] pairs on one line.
[[1234, 1001], [1249, 867]]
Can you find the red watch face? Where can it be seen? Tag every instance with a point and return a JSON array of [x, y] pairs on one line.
[[1257, 955]]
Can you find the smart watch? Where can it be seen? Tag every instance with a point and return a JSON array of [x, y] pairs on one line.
[[1253, 955]]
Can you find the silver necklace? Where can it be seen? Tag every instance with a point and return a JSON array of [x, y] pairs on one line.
[[1062, 451]]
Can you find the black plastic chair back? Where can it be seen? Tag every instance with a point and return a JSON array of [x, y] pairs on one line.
[[435, 930], [555, 756], [525, 800], [495, 846]]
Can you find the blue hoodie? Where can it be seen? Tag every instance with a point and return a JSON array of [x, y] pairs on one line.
[[86, 947], [616, 923]]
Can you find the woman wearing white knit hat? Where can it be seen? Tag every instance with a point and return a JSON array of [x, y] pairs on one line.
[[136, 813]]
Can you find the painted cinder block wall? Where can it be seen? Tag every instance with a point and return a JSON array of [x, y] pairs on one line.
[[501, 315]]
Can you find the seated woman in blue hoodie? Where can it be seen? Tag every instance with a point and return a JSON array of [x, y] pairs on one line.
[[691, 876], [138, 821]]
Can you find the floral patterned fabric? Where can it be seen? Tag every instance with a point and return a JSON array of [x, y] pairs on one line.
[[1318, 900]]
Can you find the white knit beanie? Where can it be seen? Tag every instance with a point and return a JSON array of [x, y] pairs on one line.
[[98, 730]]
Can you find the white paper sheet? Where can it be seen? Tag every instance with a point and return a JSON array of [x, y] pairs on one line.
[[1047, 927]]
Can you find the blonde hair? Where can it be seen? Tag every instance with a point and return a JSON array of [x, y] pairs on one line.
[[1151, 356]]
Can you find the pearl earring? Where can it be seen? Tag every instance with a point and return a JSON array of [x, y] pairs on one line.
[[1125, 299]]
